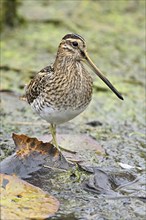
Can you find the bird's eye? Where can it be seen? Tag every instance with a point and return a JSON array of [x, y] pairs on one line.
[[75, 43]]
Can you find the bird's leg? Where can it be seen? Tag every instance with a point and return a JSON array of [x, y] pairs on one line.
[[54, 140], [53, 133]]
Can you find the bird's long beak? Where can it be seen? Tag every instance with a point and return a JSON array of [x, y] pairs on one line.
[[89, 62]]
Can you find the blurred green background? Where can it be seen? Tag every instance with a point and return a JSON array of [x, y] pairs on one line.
[[32, 30]]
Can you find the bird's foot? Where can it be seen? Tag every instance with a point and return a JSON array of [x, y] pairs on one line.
[[67, 150]]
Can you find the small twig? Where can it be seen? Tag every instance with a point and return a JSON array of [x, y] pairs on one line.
[[127, 184], [75, 161], [54, 168]]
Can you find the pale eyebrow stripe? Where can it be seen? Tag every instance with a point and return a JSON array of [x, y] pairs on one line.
[[73, 36]]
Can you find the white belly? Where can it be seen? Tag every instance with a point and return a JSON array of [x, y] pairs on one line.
[[54, 116]]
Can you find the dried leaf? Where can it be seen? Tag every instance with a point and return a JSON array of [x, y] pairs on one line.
[[31, 156], [27, 145], [21, 200]]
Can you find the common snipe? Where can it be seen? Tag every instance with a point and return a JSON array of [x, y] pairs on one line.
[[60, 92]]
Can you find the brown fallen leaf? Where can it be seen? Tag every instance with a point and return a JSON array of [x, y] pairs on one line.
[[31, 156], [21, 200], [27, 145]]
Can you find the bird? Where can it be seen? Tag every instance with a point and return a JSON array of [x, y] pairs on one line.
[[61, 91]]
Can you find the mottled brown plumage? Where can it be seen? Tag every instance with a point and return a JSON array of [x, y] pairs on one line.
[[60, 92]]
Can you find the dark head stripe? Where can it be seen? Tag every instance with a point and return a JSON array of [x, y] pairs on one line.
[[73, 36]]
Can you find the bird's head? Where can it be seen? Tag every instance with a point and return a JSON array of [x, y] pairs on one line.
[[74, 46]]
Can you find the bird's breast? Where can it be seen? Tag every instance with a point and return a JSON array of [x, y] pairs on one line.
[[63, 95]]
